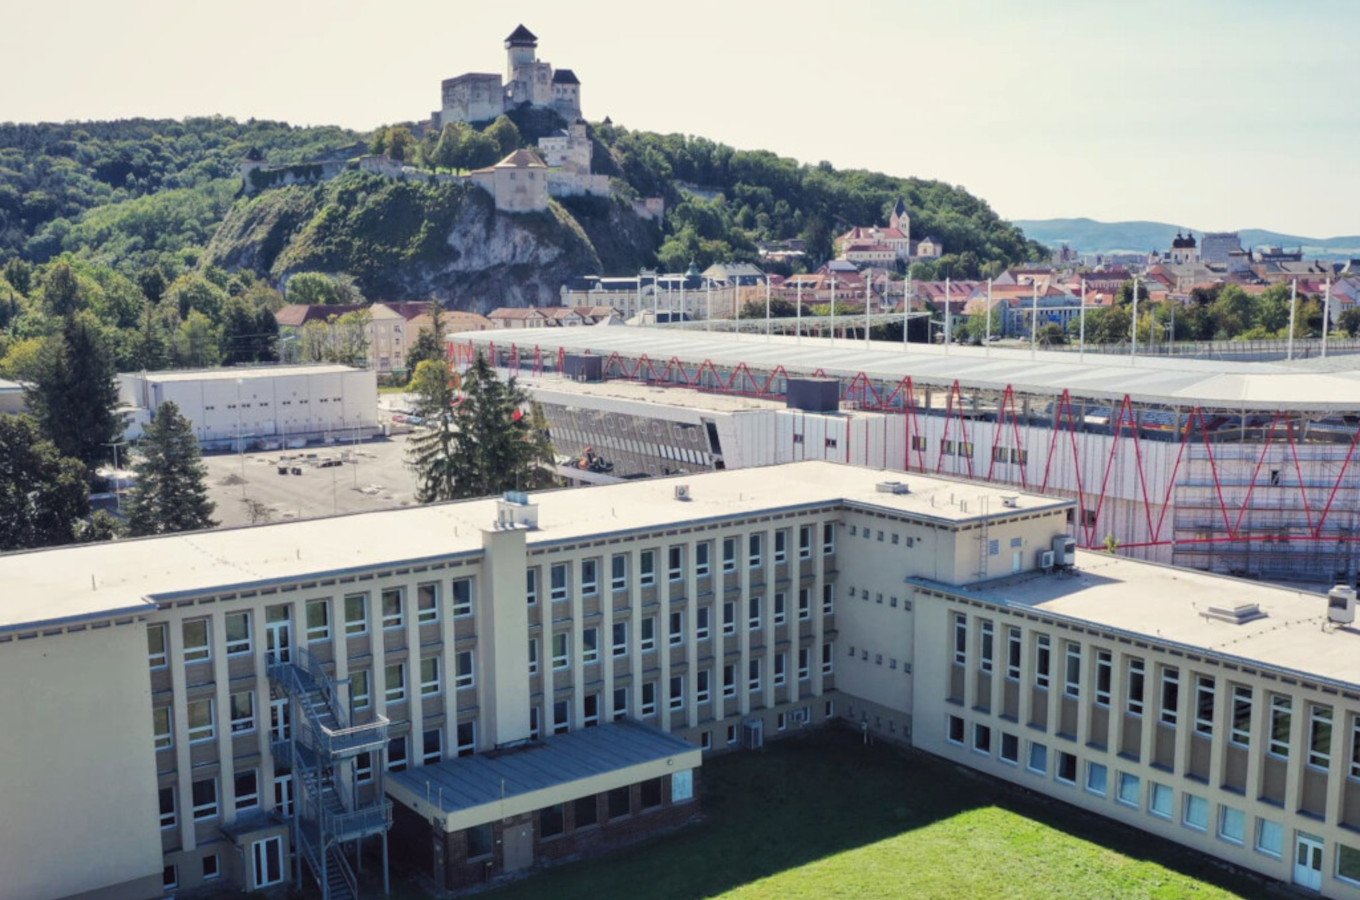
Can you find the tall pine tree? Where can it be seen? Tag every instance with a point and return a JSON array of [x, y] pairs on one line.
[[170, 494], [73, 394]]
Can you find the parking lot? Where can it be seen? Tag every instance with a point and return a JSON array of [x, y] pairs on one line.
[[316, 481]]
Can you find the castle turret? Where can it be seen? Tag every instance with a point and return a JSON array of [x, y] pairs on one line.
[[521, 48]]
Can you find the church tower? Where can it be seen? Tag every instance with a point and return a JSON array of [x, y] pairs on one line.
[[901, 219]]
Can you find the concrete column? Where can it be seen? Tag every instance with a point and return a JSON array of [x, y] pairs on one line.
[[769, 575], [970, 669], [1222, 719], [448, 655], [1336, 771], [1118, 695], [1185, 719], [1087, 692], [1025, 709], [377, 647], [819, 576], [502, 619], [410, 610], [743, 611], [1000, 649], [1152, 687], [263, 696], [179, 706], [663, 634], [1259, 740], [217, 637], [578, 648], [604, 574], [691, 583], [635, 629], [1298, 752]]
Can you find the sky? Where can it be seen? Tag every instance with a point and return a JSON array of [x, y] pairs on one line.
[[1213, 114]]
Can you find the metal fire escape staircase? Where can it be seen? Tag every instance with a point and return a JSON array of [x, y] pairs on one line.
[[322, 746]]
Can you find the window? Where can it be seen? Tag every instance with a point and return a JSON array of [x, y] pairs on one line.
[[781, 545], [155, 646], [480, 841], [647, 641], [1269, 838], [429, 676], [396, 682], [531, 586], [620, 703], [1280, 715], [647, 565], [557, 582], [780, 664], [753, 613], [701, 624], [677, 628], [826, 659], [465, 737], [649, 698], [196, 646], [356, 614], [1348, 864], [617, 802], [391, 609], [1134, 701], [702, 551], [778, 614], [359, 693], [1010, 748], [982, 738], [754, 543], [590, 645], [586, 811], [247, 789], [1038, 758], [1231, 824], [590, 577], [650, 793], [1196, 813], [1012, 651], [201, 720], [560, 645], [729, 617], [753, 675], [1160, 800], [533, 656], [461, 591], [675, 563], [283, 794], [1072, 671], [1320, 736], [729, 680], [701, 686], [161, 732], [318, 620], [805, 542], [985, 650], [1204, 706], [551, 820], [1104, 671], [1130, 790], [238, 633], [676, 696], [1171, 687], [828, 537], [1097, 778], [620, 638], [363, 768], [1042, 654], [431, 747], [618, 572], [1067, 768], [242, 712], [729, 553], [1240, 732], [170, 877], [167, 801], [804, 604], [205, 799], [804, 664], [828, 599]]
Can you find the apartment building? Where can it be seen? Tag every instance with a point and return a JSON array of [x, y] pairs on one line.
[[473, 688]]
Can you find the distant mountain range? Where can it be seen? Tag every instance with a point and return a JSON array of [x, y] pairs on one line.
[[1090, 236]]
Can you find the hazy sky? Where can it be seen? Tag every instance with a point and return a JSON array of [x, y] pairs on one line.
[[1208, 113]]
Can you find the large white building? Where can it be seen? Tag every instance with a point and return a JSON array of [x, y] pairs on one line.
[[258, 406], [242, 707]]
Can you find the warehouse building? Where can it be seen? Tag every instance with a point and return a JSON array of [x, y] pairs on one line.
[[266, 406], [474, 688]]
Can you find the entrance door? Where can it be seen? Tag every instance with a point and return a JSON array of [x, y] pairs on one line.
[[753, 733], [1017, 561], [1308, 862], [280, 727], [518, 844], [267, 861], [278, 633]]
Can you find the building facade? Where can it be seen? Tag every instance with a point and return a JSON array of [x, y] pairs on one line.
[[481, 97]]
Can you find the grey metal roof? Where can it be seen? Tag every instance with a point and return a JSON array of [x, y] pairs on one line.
[[472, 781], [1324, 385]]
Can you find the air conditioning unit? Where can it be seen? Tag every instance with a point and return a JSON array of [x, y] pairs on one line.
[[1341, 605], [1045, 560], [1010, 501], [1065, 551], [682, 492], [892, 487]]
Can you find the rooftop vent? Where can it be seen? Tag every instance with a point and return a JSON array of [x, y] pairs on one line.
[[892, 487], [1010, 501], [1235, 613], [1341, 605], [514, 510], [682, 492]]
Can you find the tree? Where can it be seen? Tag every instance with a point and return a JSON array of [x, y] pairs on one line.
[[349, 335], [479, 441], [506, 135], [190, 293], [1349, 322], [977, 329], [1052, 334], [43, 495], [429, 343], [62, 292], [1233, 311], [197, 342], [476, 150], [315, 288], [170, 494], [73, 395]]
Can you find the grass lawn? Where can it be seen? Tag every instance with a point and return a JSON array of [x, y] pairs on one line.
[[823, 816]]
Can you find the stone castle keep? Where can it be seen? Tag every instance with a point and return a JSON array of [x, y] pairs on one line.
[[481, 96]]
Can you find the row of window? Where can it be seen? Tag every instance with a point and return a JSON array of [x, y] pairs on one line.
[[891, 536], [877, 596], [1320, 717]]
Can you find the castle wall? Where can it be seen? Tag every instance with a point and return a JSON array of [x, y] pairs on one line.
[[472, 98]]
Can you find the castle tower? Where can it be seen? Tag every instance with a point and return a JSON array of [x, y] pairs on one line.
[[521, 48]]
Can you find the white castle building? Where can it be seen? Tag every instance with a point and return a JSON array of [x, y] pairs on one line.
[[481, 96]]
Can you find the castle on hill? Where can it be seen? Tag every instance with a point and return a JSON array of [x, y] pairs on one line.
[[481, 96]]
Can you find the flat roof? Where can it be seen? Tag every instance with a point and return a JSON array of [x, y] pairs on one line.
[[41, 586], [1330, 385], [230, 373], [1165, 604], [467, 782], [636, 392]]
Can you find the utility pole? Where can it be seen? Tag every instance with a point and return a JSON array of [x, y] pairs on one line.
[[1326, 315], [1133, 332], [1293, 305], [767, 306], [946, 315], [117, 477], [1081, 313], [833, 309], [798, 322]]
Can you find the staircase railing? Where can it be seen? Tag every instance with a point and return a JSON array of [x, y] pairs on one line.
[[337, 858]]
